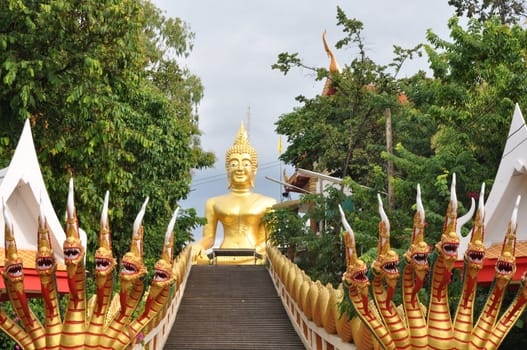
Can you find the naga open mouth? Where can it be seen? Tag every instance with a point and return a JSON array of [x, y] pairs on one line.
[[475, 256], [129, 268], [45, 263], [72, 253], [161, 276], [504, 267], [102, 264], [420, 258], [15, 270], [360, 276], [450, 249], [391, 267]]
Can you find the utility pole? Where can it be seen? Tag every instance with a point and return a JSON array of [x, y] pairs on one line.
[[248, 128], [389, 150]]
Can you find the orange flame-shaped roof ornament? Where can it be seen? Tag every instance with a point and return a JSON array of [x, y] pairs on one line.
[[334, 68]]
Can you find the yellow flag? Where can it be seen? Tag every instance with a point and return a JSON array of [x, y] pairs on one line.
[[280, 145]]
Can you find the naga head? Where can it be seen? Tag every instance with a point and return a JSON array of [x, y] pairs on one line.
[[72, 247], [387, 261], [475, 252], [45, 260], [163, 269], [506, 264], [104, 260], [14, 269], [356, 270], [132, 266], [417, 254], [449, 243]]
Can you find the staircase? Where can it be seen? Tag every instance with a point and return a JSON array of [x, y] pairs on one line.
[[231, 307]]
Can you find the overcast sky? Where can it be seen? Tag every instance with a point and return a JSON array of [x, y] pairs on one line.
[[237, 41]]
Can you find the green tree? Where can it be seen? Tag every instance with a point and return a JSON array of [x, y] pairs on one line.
[[344, 133], [109, 105], [461, 116], [508, 11]]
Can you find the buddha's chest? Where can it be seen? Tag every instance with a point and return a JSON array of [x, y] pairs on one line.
[[233, 211]]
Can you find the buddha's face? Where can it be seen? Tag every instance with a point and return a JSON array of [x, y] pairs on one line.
[[240, 170]]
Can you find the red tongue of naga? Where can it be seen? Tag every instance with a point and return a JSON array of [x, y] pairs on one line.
[[417, 287], [123, 297], [73, 288], [365, 303], [100, 299], [470, 288], [521, 301], [389, 297], [25, 306], [447, 277], [47, 299]]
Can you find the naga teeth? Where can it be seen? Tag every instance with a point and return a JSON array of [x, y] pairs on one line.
[[420, 258], [504, 267], [15, 270], [450, 248], [360, 276], [476, 256], [160, 276], [391, 267], [44, 263], [102, 264], [72, 253], [128, 268]]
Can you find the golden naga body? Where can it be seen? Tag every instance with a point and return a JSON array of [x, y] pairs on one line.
[[418, 327], [239, 211], [103, 322]]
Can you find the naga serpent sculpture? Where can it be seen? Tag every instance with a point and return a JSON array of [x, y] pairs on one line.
[[418, 327], [103, 322]]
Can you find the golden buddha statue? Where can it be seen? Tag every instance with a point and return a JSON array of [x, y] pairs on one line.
[[239, 211]]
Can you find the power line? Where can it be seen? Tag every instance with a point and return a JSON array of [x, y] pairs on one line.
[[218, 177]]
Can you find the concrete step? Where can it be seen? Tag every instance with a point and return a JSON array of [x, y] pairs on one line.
[[231, 307]]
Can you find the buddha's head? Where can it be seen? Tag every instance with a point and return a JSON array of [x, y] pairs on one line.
[[241, 162]]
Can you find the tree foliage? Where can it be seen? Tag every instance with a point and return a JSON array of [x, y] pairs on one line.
[[508, 11], [453, 122], [109, 105]]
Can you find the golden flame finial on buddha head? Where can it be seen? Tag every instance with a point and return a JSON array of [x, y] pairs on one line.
[[241, 145]]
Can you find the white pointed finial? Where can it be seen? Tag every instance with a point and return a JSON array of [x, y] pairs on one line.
[[71, 203], [514, 217], [104, 213], [481, 204], [41, 214], [453, 196], [419, 204], [139, 218], [171, 224], [382, 213]]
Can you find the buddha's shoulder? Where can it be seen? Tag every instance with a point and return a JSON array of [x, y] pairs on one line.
[[264, 199], [253, 198]]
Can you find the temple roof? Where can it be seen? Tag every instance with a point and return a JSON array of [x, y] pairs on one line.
[[510, 181], [22, 188]]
